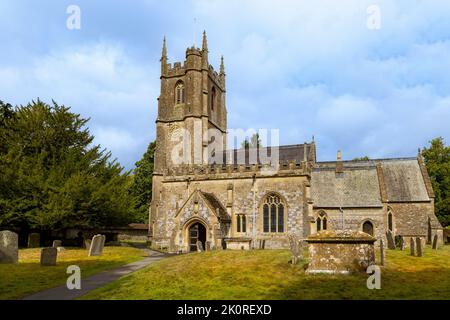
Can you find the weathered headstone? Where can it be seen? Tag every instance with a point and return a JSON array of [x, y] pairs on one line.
[[301, 249], [56, 243], [208, 245], [390, 240], [48, 256], [87, 243], [199, 246], [419, 247], [402, 244], [96, 247], [60, 249], [293, 244], [102, 244], [382, 252], [435, 242], [34, 240], [9, 247], [412, 246]]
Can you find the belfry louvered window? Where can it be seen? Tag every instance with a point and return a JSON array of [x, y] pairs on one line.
[[179, 93], [273, 211]]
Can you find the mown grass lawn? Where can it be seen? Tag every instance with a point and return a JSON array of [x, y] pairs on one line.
[[28, 276], [266, 274]]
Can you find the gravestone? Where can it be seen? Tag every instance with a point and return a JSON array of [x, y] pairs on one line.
[[87, 243], [293, 245], [102, 243], [301, 249], [435, 242], [419, 247], [402, 244], [9, 247], [34, 240], [56, 243], [208, 245], [48, 256], [97, 244], [199, 246], [60, 249], [382, 252], [412, 246], [390, 240]]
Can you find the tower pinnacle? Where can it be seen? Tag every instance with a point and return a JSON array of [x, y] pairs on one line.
[[164, 57], [205, 42], [222, 66]]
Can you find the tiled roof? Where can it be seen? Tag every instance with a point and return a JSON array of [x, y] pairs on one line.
[[359, 184], [215, 204], [294, 152]]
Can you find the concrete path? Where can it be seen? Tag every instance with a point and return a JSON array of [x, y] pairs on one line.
[[96, 281]]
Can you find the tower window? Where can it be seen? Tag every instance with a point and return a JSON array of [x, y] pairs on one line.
[[273, 210], [179, 93], [213, 98]]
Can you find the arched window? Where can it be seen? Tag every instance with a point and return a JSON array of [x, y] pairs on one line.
[[274, 214], [390, 221], [241, 223], [368, 227], [322, 221], [213, 98], [179, 93]]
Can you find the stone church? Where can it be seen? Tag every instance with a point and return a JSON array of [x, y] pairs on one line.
[[222, 198]]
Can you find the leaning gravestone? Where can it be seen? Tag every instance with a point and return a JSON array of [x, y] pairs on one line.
[[412, 246], [87, 243], [435, 242], [419, 247], [390, 240], [382, 253], [9, 247], [34, 240], [199, 246], [97, 244], [48, 256], [56, 243]]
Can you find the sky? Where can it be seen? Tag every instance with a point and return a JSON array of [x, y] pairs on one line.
[[371, 78]]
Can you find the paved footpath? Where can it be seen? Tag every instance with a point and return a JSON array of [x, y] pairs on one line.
[[96, 281]]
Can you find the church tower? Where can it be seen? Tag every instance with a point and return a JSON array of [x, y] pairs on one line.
[[192, 101]]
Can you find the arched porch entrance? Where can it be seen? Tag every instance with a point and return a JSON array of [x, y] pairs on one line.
[[196, 232]]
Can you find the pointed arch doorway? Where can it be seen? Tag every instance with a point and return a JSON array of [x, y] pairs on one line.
[[196, 232]]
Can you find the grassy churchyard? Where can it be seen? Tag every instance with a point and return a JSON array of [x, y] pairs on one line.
[[266, 274], [28, 276], [258, 274]]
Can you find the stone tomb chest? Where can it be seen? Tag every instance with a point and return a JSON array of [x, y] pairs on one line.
[[340, 252]]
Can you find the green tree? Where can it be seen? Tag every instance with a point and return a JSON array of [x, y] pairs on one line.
[[365, 158], [254, 142], [141, 188], [437, 160], [52, 176]]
